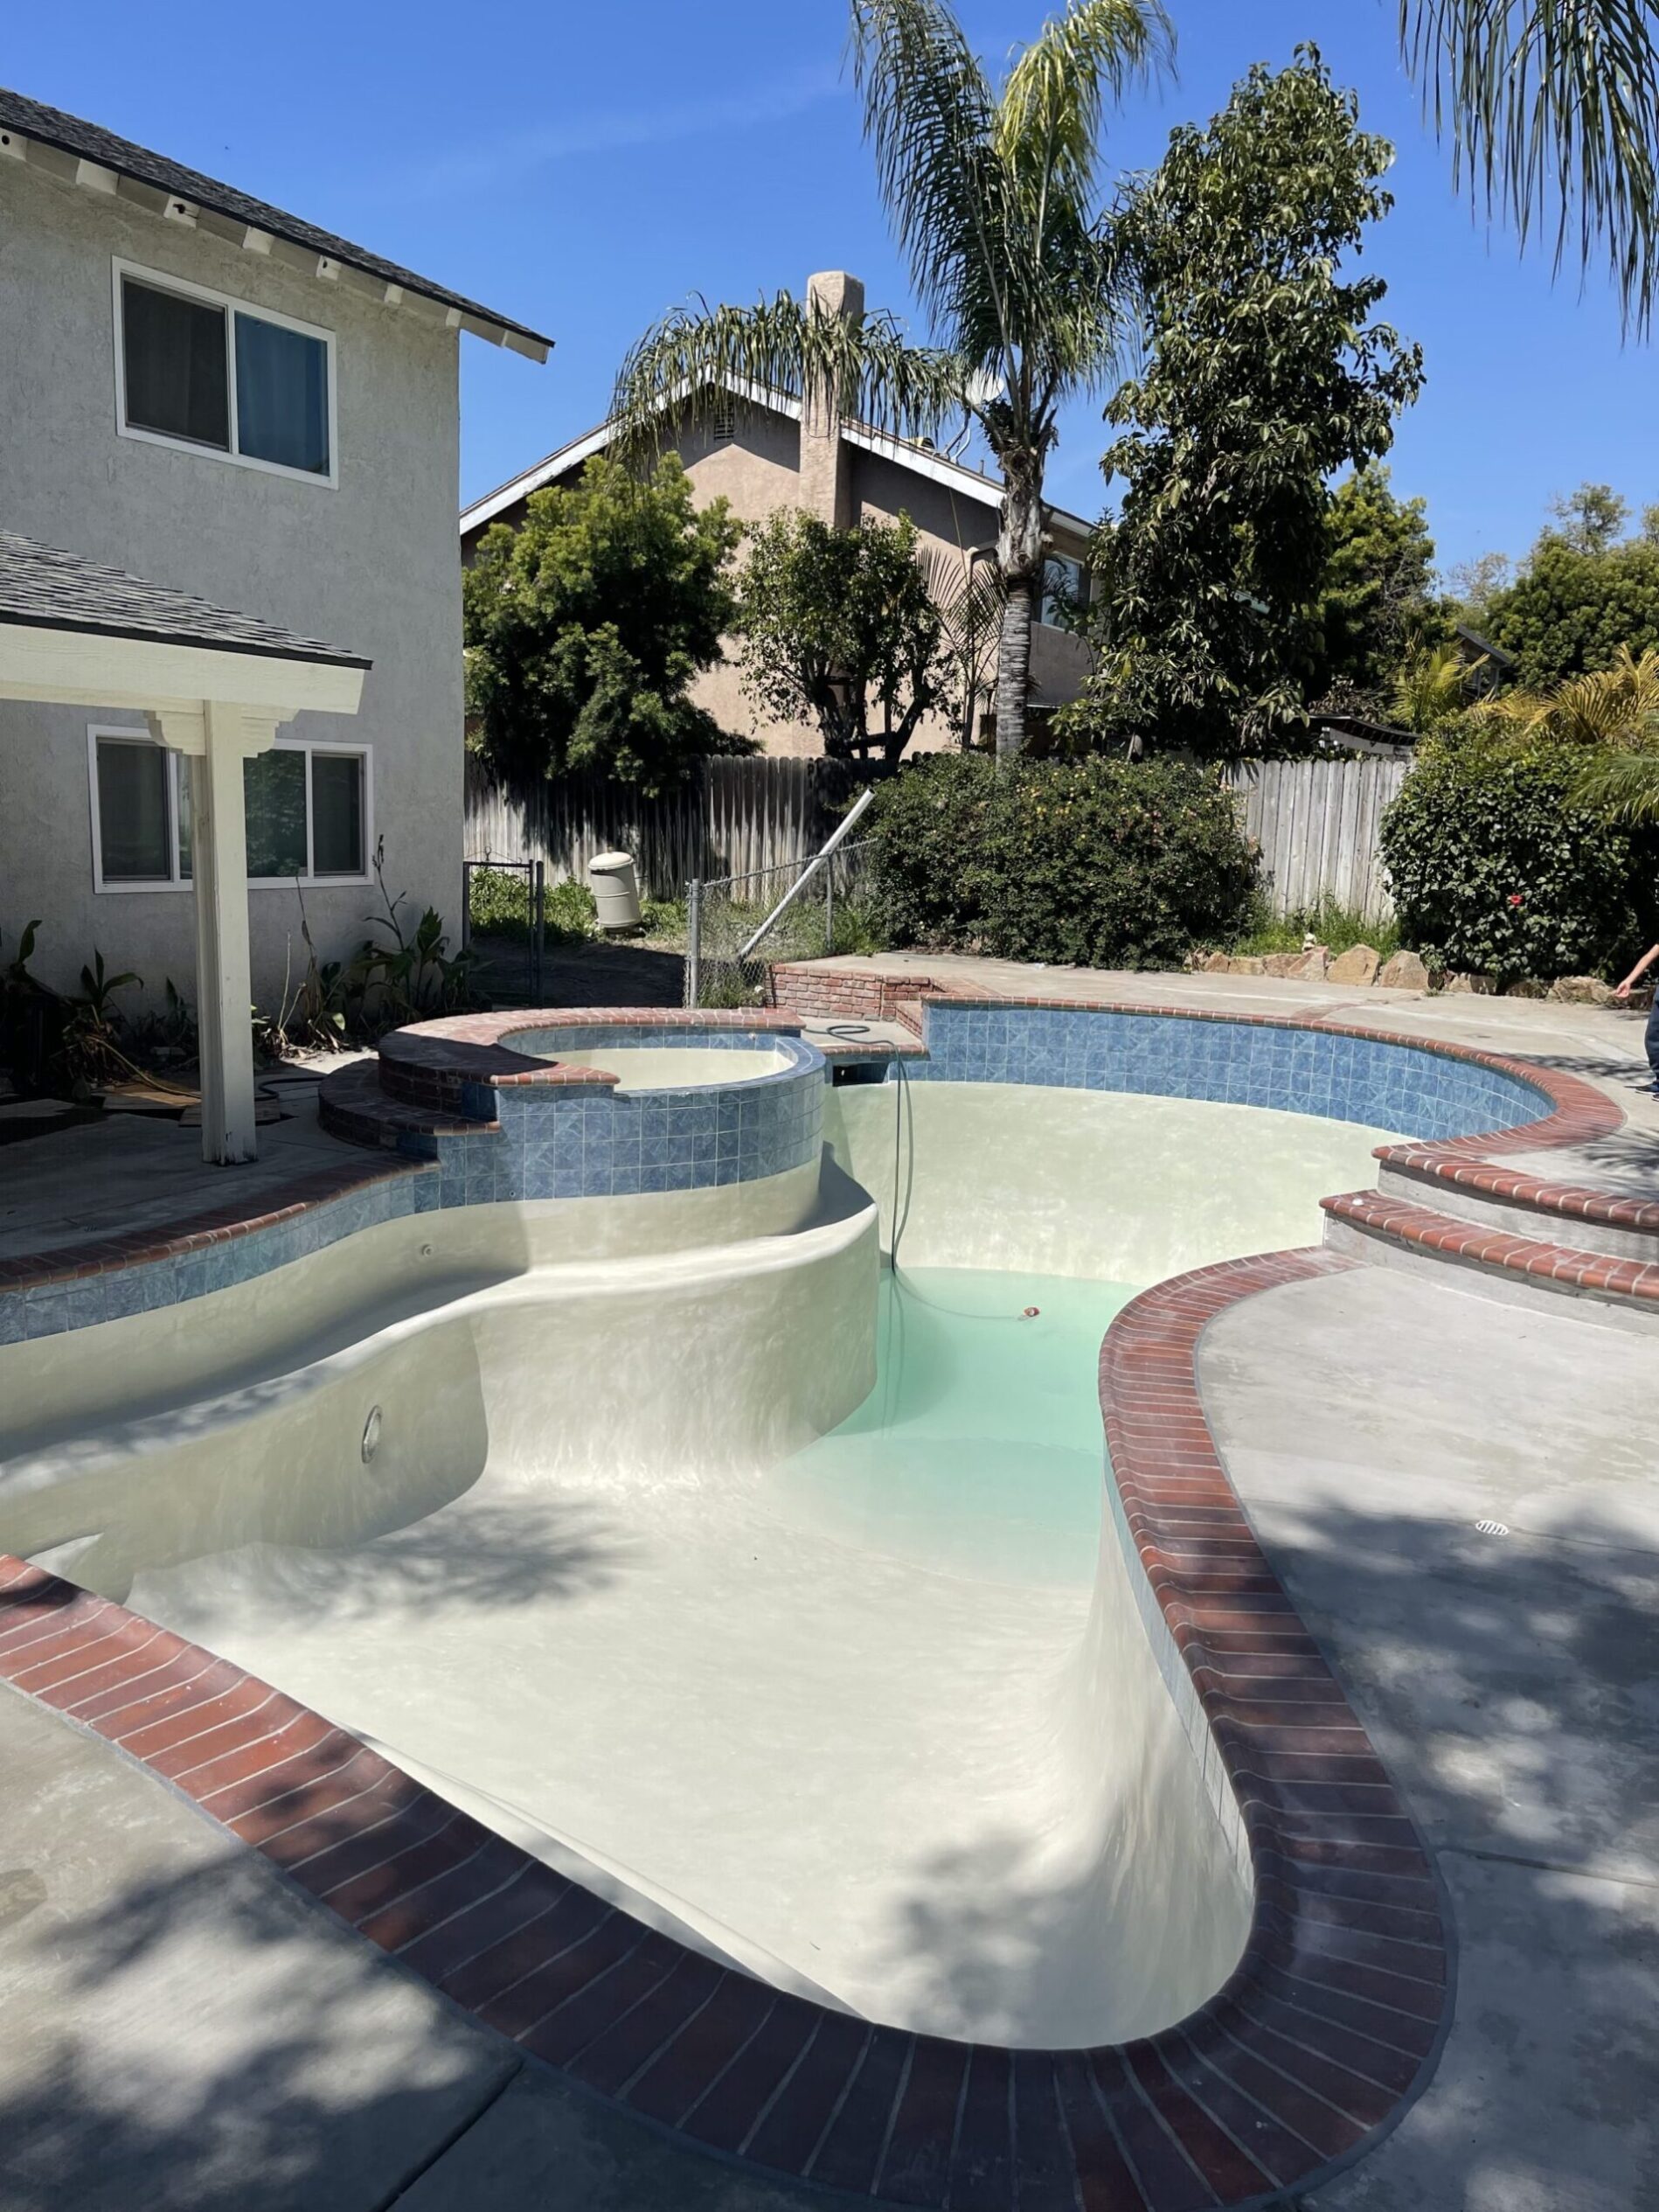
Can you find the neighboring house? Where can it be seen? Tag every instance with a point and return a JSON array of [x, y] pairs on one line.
[[759, 455], [204, 392], [1486, 666]]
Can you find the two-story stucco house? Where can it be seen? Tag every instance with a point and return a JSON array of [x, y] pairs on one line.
[[224, 402], [762, 452]]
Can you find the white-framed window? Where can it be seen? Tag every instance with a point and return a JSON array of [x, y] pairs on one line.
[[309, 812], [201, 371], [1065, 591]]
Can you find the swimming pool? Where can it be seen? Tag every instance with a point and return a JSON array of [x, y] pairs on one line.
[[760, 1585]]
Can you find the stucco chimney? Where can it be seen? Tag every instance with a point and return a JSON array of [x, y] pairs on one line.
[[825, 490]]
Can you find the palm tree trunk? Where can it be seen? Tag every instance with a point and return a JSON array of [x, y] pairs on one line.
[[1019, 555], [1014, 668]]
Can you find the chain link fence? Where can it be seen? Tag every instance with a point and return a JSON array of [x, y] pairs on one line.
[[729, 944]]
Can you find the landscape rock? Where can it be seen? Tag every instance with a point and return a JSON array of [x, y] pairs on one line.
[[1454, 982], [1216, 963], [1358, 964], [1310, 967], [1405, 972], [1246, 964], [1528, 987], [1281, 963], [1581, 990]]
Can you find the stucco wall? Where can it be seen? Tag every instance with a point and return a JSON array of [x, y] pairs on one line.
[[757, 470], [369, 565]]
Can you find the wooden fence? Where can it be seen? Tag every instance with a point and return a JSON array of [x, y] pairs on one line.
[[1316, 822], [730, 816]]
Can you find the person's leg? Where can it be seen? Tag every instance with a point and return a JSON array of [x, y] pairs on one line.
[[1653, 1039]]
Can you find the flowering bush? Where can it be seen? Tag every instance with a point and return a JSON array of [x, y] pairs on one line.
[[1494, 872]]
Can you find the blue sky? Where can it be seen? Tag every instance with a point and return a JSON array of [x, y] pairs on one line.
[[584, 168]]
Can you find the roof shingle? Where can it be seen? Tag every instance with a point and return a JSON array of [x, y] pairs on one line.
[[45, 588], [90, 142]]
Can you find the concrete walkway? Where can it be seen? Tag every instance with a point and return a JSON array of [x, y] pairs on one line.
[[181, 2030], [1510, 1681]]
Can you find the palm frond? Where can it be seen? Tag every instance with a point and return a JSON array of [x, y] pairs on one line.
[[930, 117], [1624, 786], [1048, 118], [1553, 107], [685, 369], [1615, 708]]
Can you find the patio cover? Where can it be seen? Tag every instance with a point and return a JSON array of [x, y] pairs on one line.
[[213, 685]]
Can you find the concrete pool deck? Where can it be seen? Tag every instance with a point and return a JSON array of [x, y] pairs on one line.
[[1509, 1688]]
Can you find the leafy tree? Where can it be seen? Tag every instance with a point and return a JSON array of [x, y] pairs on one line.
[[839, 628], [1264, 373], [1376, 598], [1569, 612], [1473, 585], [586, 625], [992, 190], [1590, 519], [1553, 107]]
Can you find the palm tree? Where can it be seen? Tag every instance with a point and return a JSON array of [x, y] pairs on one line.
[[1554, 110], [1431, 688], [1609, 718], [992, 195]]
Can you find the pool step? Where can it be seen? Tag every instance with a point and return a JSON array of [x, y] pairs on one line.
[[351, 1105], [1494, 1195], [1530, 1268]]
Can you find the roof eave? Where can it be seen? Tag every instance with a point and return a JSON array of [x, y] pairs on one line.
[[57, 156]]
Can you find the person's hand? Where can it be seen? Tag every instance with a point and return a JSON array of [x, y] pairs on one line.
[[1621, 990]]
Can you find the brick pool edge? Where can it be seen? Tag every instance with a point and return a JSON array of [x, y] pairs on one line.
[[1327, 2029]]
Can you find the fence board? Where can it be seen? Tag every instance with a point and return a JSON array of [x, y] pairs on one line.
[[728, 818], [1316, 824]]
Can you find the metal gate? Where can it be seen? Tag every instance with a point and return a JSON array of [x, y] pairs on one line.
[[503, 926]]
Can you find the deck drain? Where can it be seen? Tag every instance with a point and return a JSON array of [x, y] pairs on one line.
[[1492, 1528], [370, 1435]]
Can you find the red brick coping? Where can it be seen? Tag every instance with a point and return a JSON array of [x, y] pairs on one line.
[[1561, 1267], [199, 1232], [1329, 2026], [430, 1063], [1451, 1164]]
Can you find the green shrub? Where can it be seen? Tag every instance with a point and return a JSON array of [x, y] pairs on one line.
[[1095, 863], [1493, 873], [498, 901]]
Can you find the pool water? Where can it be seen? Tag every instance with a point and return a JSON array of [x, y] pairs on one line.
[[979, 1451]]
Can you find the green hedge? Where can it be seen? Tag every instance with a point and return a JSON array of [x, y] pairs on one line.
[[1094, 863], [1493, 873]]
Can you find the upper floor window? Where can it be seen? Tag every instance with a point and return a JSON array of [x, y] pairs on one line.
[[1065, 592], [193, 368]]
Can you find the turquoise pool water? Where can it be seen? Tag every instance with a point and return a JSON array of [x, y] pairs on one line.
[[980, 1450]]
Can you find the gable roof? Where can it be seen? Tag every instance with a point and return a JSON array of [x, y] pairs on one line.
[[42, 587], [89, 154], [905, 452]]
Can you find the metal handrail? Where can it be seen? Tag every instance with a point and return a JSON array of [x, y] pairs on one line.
[[826, 851]]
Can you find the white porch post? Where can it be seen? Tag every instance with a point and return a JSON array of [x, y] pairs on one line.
[[217, 742]]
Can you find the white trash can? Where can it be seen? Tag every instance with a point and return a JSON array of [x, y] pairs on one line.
[[617, 892]]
